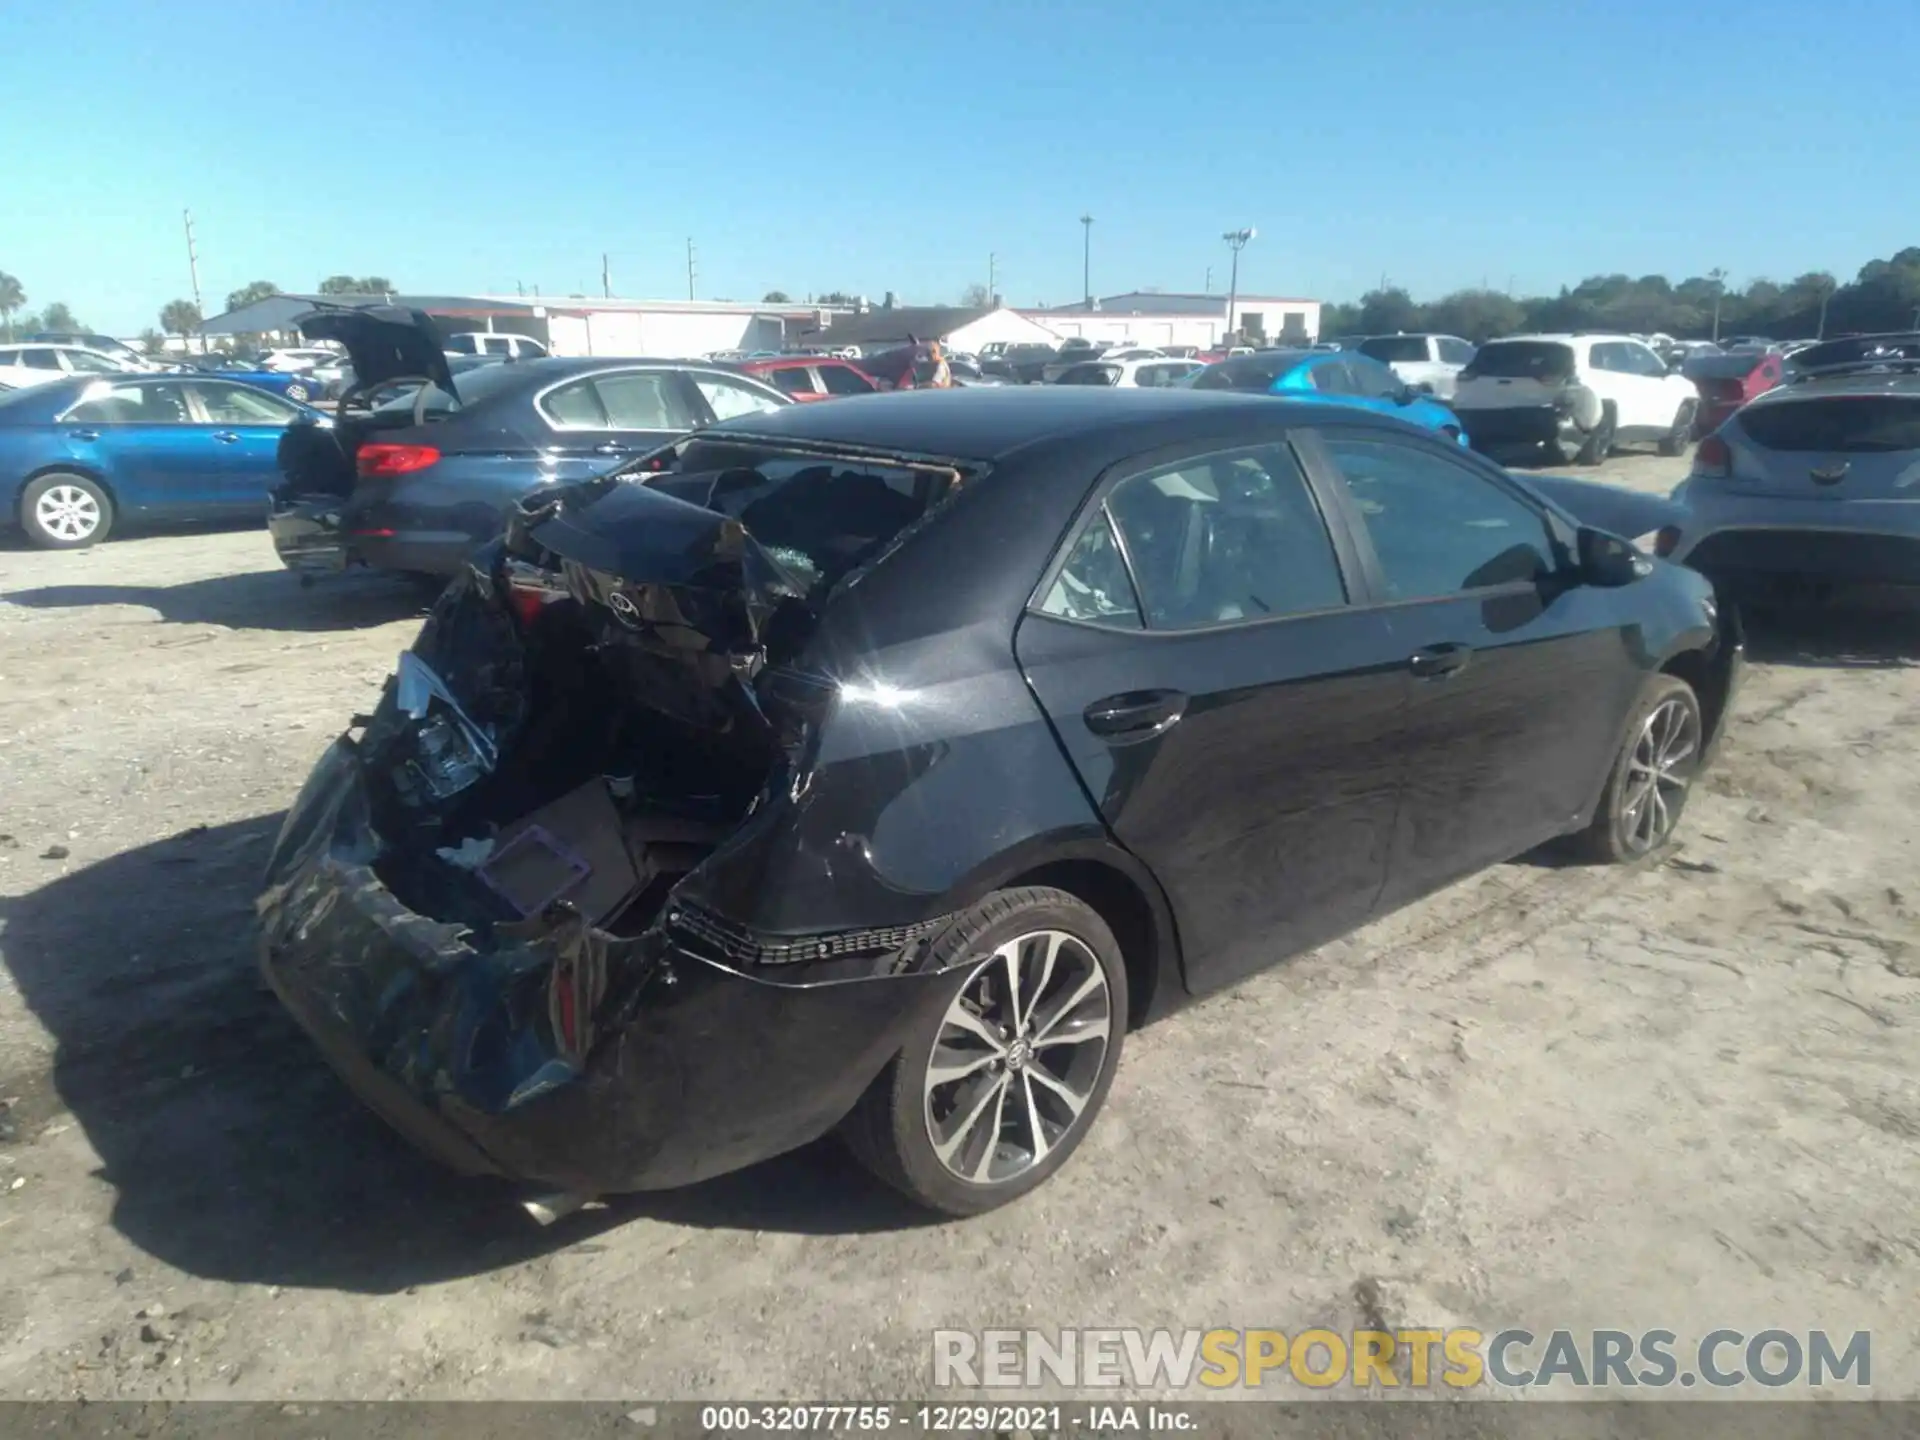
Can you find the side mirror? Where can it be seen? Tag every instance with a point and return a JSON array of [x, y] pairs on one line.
[[1608, 561]]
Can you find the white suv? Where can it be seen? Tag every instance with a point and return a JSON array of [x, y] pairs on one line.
[[24, 365], [1434, 361], [486, 342], [1576, 395]]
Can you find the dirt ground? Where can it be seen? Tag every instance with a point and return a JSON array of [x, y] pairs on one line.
[[1681, 1095]]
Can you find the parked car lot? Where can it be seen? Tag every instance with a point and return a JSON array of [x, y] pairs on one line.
[[1652, 1096]]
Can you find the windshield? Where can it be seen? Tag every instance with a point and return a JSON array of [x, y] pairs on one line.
[[1543, 360], [1390, 348]]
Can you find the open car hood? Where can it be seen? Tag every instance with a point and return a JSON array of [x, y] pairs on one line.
[[384, 342]]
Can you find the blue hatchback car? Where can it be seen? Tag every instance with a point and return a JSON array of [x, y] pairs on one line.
[[79, 456], [1339, 377]]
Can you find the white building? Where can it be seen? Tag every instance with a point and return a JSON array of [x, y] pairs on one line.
[[573, 325], [1145, 317]]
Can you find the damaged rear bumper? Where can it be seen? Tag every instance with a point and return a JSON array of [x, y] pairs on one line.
[[572, 1058]]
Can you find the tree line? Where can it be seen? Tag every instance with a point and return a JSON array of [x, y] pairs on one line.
[[1884, 295]]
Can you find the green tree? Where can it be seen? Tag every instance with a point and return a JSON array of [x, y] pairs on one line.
[[250, 292], [1475, 315], [180, 317], [838, 297], [13, 296], [58, 317], [1388, 309], [376, 285], [975, 297], [1339, 319], [774, 297], [339, 285], [152, 342]]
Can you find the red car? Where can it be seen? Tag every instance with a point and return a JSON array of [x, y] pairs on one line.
[[1726, 382], [810, 377]]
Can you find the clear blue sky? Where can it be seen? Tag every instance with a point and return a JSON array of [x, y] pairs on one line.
[[866, 145]]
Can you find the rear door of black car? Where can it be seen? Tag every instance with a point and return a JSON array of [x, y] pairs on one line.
[[1521, 681], [1230, 712]]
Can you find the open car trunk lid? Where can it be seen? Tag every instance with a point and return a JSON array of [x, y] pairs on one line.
[[383, 342]]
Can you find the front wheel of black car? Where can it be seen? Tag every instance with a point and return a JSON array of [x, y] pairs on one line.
[[1652, 776], [1001, 1089]]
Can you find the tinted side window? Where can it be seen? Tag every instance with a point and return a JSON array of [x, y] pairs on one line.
[[1093, 584], [1226, 537], [460, 345], [791, 380], [498, 345], [127, 405], [1455, 352], [1437, 527], [40, 359], [239, 405], [1643, 361], [844, 380], [642, 400], [1331, 377], [575, 407], [1372, 379], [1609, 357]]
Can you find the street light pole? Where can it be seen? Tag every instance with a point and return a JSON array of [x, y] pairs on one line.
[[1719, 278], [1236, 242], [1086, 260]]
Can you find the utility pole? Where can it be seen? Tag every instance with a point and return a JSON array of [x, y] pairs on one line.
[[1086, 259], [691, 270], [1826, 294], [1236, 242], [520, 288], [1207, 289], [606, 278], [993, 263], [1719, 278], [193, 266]]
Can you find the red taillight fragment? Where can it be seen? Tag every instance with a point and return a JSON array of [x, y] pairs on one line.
[[1713, 459], [1665, 540], [375, 534], [383, 459]]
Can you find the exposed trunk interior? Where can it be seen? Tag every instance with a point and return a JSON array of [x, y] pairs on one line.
[[596, 705]]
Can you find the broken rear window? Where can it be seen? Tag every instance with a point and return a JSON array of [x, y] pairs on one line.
[[823, 516]]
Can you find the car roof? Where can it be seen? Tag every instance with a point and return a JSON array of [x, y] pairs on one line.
[[990, 423]]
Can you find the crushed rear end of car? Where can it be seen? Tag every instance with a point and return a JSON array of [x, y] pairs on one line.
[[493, 906]]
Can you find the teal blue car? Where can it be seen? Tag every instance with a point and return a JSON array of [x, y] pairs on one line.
[[1339, 377]]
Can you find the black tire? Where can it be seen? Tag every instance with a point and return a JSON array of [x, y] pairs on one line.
[[1676, 440], [890, 1129], [55, 511], [298, 392], [1618, 833], [1600, 443]]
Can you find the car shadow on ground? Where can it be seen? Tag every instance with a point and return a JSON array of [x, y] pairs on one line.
[[1863, 633], [234, 1152], [257, 600]]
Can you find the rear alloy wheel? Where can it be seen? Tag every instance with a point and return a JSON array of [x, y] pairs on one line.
[[1652, 777], [1600, 443], [1002, 1089], [298, 391], [1675, 441], [64, 511]]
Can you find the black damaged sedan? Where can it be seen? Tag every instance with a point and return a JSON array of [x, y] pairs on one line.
[[877, 766]]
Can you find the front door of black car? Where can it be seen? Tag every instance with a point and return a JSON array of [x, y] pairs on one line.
[[603, 420], [1232, 716], [1521, 680]]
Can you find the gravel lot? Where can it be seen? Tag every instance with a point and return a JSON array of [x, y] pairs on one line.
[[1681, 1095]]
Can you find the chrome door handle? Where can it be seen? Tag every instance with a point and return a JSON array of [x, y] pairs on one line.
[[225, 437]]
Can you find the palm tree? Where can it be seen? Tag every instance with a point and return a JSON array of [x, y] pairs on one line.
[[12, 297], [180, 317]]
